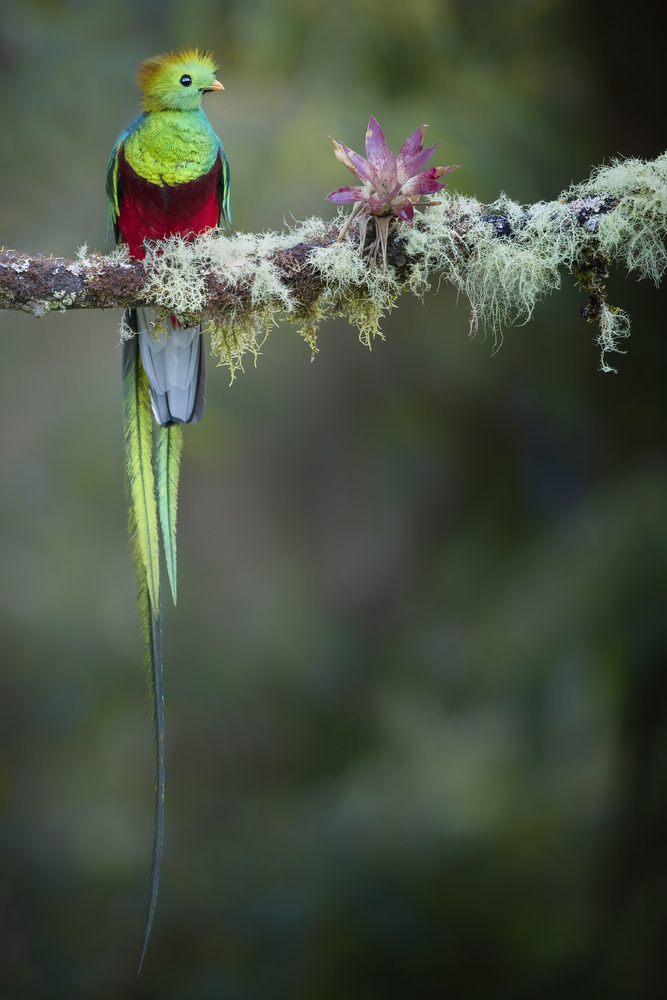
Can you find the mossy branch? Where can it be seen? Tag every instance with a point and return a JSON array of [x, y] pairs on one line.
[[503, 257]]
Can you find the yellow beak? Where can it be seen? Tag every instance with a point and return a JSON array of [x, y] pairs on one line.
[[216, 85]]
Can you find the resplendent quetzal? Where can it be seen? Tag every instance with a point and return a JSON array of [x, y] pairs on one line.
[[167, 175]]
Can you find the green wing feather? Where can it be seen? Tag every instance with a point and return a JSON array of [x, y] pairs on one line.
[[138, 432], [222, 189], [168, 462], [114, 187]]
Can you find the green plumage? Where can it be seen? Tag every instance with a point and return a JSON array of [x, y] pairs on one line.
[[167, 467], [167, 175], [151, 626], [172, 147], [138, 427], [138, 434]]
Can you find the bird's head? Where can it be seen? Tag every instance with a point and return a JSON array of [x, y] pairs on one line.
[[176, 81]]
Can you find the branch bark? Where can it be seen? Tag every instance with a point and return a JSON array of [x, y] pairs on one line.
[[38, 284], [504, 258]]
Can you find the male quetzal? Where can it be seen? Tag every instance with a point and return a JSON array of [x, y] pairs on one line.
[[167, 175]]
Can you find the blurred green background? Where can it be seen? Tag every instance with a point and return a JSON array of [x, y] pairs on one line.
[[416, 687]]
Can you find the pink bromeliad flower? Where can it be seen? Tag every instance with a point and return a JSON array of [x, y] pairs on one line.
[[391, 187]]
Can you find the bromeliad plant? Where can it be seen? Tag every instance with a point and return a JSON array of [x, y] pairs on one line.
[[392, 186]]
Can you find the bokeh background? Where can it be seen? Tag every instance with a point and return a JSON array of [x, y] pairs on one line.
[[416, 686]]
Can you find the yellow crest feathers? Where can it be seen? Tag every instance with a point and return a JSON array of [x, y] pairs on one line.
[[151, 69]]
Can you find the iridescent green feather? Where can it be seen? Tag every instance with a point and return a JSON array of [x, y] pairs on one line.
[[151, 627], [169, 143], [143, 524], [167, 467], [138, 432]]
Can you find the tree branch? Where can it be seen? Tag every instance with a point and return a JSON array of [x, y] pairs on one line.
[[37, 284], [503, 257]]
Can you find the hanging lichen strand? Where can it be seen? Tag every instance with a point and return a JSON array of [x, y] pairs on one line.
[[502, 257]]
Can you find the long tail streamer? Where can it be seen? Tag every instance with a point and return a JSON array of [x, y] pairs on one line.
[[151, 626], [152, 477], [167, 463]]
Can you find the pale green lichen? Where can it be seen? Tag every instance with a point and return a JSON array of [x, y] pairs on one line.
[[435, 243], [502, 277], [355, 288], [502, 273], [124, 330], [243, 261], [176, 277], [633, 234], [243, 334], [614, 325], [505, 278]]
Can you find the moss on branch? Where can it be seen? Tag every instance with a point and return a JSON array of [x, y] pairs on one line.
[[504, 258]]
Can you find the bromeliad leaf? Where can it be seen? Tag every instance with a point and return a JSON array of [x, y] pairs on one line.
[[392, 186]]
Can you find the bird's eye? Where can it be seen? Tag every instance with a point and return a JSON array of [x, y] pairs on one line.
[[185, 80]]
